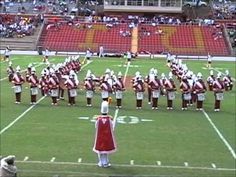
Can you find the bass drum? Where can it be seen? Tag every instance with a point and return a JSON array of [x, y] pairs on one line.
[[62, 83]]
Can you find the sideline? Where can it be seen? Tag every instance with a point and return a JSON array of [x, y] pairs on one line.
[[31, 107], [220, 135], [130, 166]]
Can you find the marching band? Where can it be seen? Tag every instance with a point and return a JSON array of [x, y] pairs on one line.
[[55, 79]]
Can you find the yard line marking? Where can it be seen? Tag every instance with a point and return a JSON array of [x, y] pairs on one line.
[[79, 160], [20, 116], [126, 71], [26, 158], [53, 159], [220, 135], [31, 107], [159, 163], [186, 164], [135, 165], [117, 110], [213, 165], [83, 118], [131, 162], [115, 117]]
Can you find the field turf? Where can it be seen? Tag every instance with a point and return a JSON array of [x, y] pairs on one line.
[[57, 140]]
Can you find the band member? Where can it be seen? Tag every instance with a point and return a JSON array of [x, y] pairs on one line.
[[89, 87], [139, 92], [199, 88], [170, 88], [88, 55], [72, 84], [106, 89], [43, 82], [155, 86], [147, 80], [119, 89], [18, 80], [7, 53], [104, 143], [228, 83], [186, 92], [33, 81], [209, 60], [218, 88], [162, 81], [28, 71], [101, 52], [129, 56], [10, 71], [210, 81], [62, 86], [46, 55], [53, 84]]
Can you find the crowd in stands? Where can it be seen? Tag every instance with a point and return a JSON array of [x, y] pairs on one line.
[[18, 26], [224, 9]]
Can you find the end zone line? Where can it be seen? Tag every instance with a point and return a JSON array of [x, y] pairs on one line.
[[220, 135], [117, 110], [31, 107], [131, 166]]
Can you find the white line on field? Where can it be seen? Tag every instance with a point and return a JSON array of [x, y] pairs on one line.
[[31, 107], [20, 116], [159, 163], [131, 162], [79, 160], [128, 165], [220, 135], [53, 159], [213, 165], [26, 158]]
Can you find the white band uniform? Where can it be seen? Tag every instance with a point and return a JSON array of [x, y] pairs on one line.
[[17, 88], [187, 96], [73, 92], [105, 94], [119, 94], [34, 91], [89, 94], [54, 92], [155, 93], [200, 96], [219, 96], [171, 95], [139, 95]]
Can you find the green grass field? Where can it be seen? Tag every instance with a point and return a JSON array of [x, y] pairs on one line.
[[168, 143]]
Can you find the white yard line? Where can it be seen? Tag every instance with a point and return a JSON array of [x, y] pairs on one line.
[[130, 166], [20, 116], [117, 110], [27, 110], [220, 135]]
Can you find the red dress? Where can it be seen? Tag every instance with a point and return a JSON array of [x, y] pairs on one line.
[[104, 138]]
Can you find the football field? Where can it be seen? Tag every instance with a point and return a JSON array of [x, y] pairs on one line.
[[58, 140]]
